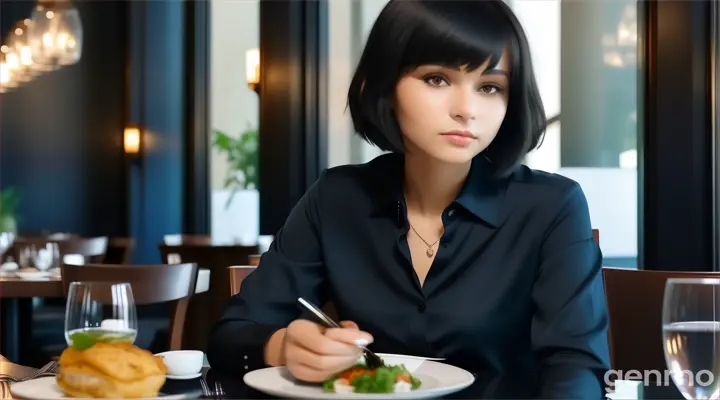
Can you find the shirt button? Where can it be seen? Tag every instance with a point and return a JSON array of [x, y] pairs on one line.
[[451, 212], [421, 307]]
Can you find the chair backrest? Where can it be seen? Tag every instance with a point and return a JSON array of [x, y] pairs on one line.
[[93, 249], [596, 235], [207, 308], [635, 303], [119, 250], [254, 259], [187, 239], [151, 284], [238, 273]]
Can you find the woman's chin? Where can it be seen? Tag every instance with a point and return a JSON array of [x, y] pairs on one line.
[[453, 156]]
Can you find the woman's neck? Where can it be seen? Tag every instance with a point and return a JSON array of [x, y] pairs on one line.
[[430, 186]]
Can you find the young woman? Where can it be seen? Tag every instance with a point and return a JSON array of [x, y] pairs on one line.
[[447, 246]]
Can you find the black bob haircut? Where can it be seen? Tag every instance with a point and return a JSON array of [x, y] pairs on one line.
[[411, 33]]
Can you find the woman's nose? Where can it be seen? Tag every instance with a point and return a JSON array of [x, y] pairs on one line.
[[462, 107]]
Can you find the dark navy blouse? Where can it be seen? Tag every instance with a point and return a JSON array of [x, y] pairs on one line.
[[515, 287]]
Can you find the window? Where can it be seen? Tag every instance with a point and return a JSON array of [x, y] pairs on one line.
[[234, 122]]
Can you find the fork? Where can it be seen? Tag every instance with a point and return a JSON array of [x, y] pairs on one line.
[[217, 393], [371, 359], [49, 369]]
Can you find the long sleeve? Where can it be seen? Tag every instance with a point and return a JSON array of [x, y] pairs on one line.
[[569, 328], [293, 267]]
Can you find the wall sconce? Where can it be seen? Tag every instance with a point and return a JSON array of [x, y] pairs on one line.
[[131, 140], [252, 69]]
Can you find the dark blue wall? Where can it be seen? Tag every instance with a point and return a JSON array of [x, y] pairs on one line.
[[157, 68], [61, 135]]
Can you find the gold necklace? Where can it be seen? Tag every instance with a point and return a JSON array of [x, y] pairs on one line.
[[430, 251]]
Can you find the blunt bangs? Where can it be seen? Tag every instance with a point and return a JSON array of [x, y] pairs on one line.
[[442, 33], [453, 33]]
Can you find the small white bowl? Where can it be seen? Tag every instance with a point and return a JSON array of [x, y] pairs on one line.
[[183, 362]]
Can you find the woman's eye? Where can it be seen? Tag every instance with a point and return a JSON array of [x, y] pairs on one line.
[[490, 89], [435, 80]]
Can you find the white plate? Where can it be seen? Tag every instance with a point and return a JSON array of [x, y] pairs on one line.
[[436, 379], [33, 275], [184, 377], [46, 389]]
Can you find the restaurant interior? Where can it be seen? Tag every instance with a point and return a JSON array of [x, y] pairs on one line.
[[152, 134]]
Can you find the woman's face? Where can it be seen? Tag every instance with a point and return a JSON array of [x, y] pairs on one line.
[[451, 114]]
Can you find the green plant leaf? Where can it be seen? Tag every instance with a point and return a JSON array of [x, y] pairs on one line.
[[241, 154], [9, 202]]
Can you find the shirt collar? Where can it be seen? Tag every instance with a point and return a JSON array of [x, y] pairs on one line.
[[482, 194]]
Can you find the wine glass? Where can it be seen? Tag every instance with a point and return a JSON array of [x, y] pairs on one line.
[[47, 257], [6, 241], [99, 312], [691, 335]]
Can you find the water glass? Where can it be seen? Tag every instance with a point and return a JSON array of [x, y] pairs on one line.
[[47, 257], [99, 312], [691, 335], [6, 241]]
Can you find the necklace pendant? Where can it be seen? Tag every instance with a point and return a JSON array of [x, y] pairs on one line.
[[430, 252]]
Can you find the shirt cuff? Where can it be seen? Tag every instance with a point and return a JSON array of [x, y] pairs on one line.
[[239, 347]]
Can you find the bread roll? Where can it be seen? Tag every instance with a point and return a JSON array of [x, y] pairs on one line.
[[110, 370]]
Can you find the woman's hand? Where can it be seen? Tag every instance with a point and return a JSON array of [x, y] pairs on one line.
[[314, 353]]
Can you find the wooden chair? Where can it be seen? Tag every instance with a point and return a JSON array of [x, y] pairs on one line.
[[92, 249], [237, 273], [254, 259], [173, 240], [151, 284], [635, 303], [207, 308], [119, 250]]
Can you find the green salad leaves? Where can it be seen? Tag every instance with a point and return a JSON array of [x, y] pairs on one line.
[[380, 380], [82, 340]]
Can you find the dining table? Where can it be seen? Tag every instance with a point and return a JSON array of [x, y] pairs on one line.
[[16, 307], [215, 385]]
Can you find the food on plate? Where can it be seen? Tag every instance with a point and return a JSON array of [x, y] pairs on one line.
[[90, 368], [361, 379]]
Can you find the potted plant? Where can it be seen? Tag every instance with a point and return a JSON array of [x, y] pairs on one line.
[[241, 154], [9, 202]]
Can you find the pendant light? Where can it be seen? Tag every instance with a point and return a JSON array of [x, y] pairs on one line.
[[20, 53], [7, 82], [55, 34]]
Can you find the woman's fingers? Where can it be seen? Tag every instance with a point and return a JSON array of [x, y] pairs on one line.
[[349, 336], [349, 325], [327, 364]]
